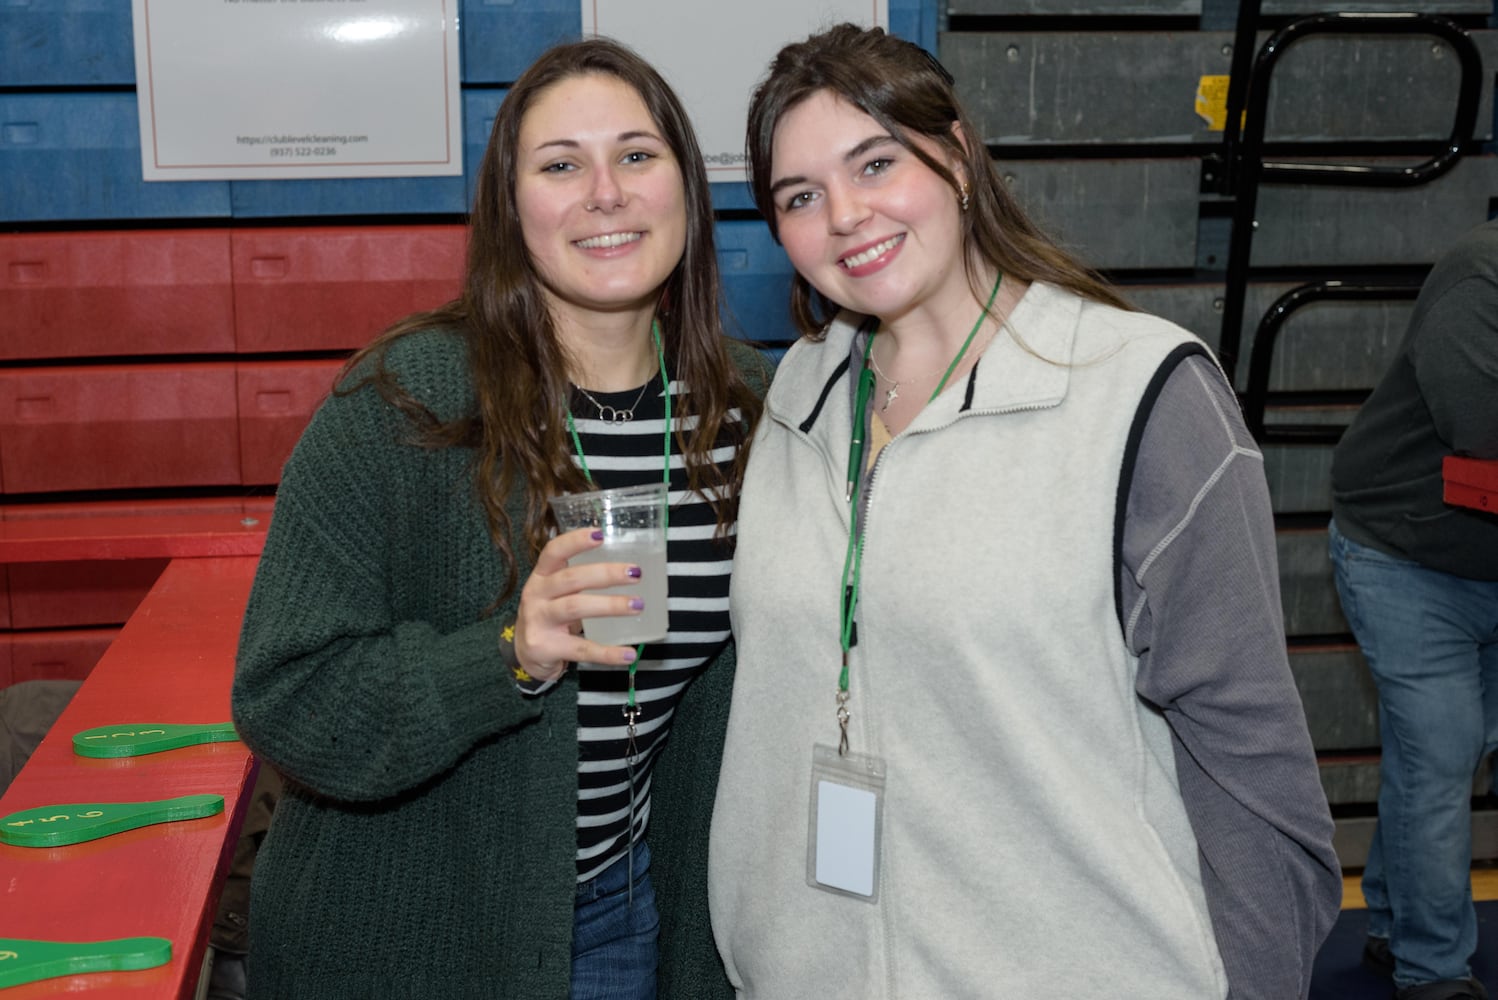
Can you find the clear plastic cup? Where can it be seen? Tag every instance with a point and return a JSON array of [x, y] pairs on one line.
[[633, 522]]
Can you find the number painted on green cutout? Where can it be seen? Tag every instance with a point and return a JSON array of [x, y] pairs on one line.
[[74, 824], [29, 961], [151, 737]]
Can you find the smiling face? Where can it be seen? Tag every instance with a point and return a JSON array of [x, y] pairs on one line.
[[600, 199], [862, 218]]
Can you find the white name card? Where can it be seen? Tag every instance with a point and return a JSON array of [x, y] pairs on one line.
[[714, 53], [268, 89]]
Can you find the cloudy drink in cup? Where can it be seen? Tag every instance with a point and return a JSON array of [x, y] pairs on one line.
[[646, 550], [633, 522]]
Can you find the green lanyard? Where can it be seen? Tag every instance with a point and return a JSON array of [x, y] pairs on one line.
[[853, 561], [577, 444], [632, 710]]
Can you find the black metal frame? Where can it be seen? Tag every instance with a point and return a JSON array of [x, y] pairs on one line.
[[1256, 395], [1244, 169]]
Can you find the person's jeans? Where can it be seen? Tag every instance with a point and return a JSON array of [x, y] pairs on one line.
[[614, 941], [1431, 641]]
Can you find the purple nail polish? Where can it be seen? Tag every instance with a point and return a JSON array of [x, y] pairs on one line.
[[636, 604], [634, 572], [629, 656], [598, 536]]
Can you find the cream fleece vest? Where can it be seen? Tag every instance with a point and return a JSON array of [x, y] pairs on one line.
[[1034, 839]]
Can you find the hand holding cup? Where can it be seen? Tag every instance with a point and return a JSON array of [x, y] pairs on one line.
[[604, 575], [554, 601]]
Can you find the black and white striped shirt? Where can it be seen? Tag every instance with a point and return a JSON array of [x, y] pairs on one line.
[[698, 564]]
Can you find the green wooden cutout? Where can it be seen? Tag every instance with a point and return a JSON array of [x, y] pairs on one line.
[[55, 826], [28, 961], [147, 737]]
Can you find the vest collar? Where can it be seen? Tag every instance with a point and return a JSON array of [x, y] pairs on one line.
[[1008, 377]]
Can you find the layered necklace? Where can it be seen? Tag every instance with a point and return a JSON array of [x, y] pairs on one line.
[[893, 392]]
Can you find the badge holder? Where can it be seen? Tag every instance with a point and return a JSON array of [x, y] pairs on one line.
[[846, 823]]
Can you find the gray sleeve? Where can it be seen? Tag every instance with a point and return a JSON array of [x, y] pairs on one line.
[[1199, 597]]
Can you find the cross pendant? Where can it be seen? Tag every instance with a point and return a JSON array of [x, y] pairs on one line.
[[891, 394]]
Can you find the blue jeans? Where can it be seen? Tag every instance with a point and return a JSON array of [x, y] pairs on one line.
[[614, 942], [1431, 641]]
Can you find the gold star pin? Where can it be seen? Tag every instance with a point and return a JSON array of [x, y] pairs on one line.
[[521, 675], [508, 635]]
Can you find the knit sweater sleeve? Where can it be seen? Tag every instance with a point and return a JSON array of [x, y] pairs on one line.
[[1201, 607], [368, 663]]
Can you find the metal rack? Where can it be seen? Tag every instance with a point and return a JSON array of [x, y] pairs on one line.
[[1241, 167]]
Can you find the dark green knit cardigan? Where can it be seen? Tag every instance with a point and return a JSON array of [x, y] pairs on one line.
[[425, 845]]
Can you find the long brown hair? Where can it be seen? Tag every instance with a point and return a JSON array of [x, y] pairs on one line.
[[905, 90], [518, 363]]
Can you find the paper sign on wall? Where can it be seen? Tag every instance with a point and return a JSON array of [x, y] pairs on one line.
[[271, 89], [713, 54]]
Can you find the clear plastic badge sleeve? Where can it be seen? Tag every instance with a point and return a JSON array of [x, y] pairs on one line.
[[846, 822]]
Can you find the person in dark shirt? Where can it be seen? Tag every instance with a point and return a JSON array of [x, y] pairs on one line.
[[1418, 579]]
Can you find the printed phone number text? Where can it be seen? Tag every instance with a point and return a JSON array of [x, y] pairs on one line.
[[282, 151]]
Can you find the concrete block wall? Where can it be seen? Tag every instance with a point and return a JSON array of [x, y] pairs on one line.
[[1099, 116]]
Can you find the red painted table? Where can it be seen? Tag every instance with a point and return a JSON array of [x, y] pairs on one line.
[[131, 536], [173, 662]]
